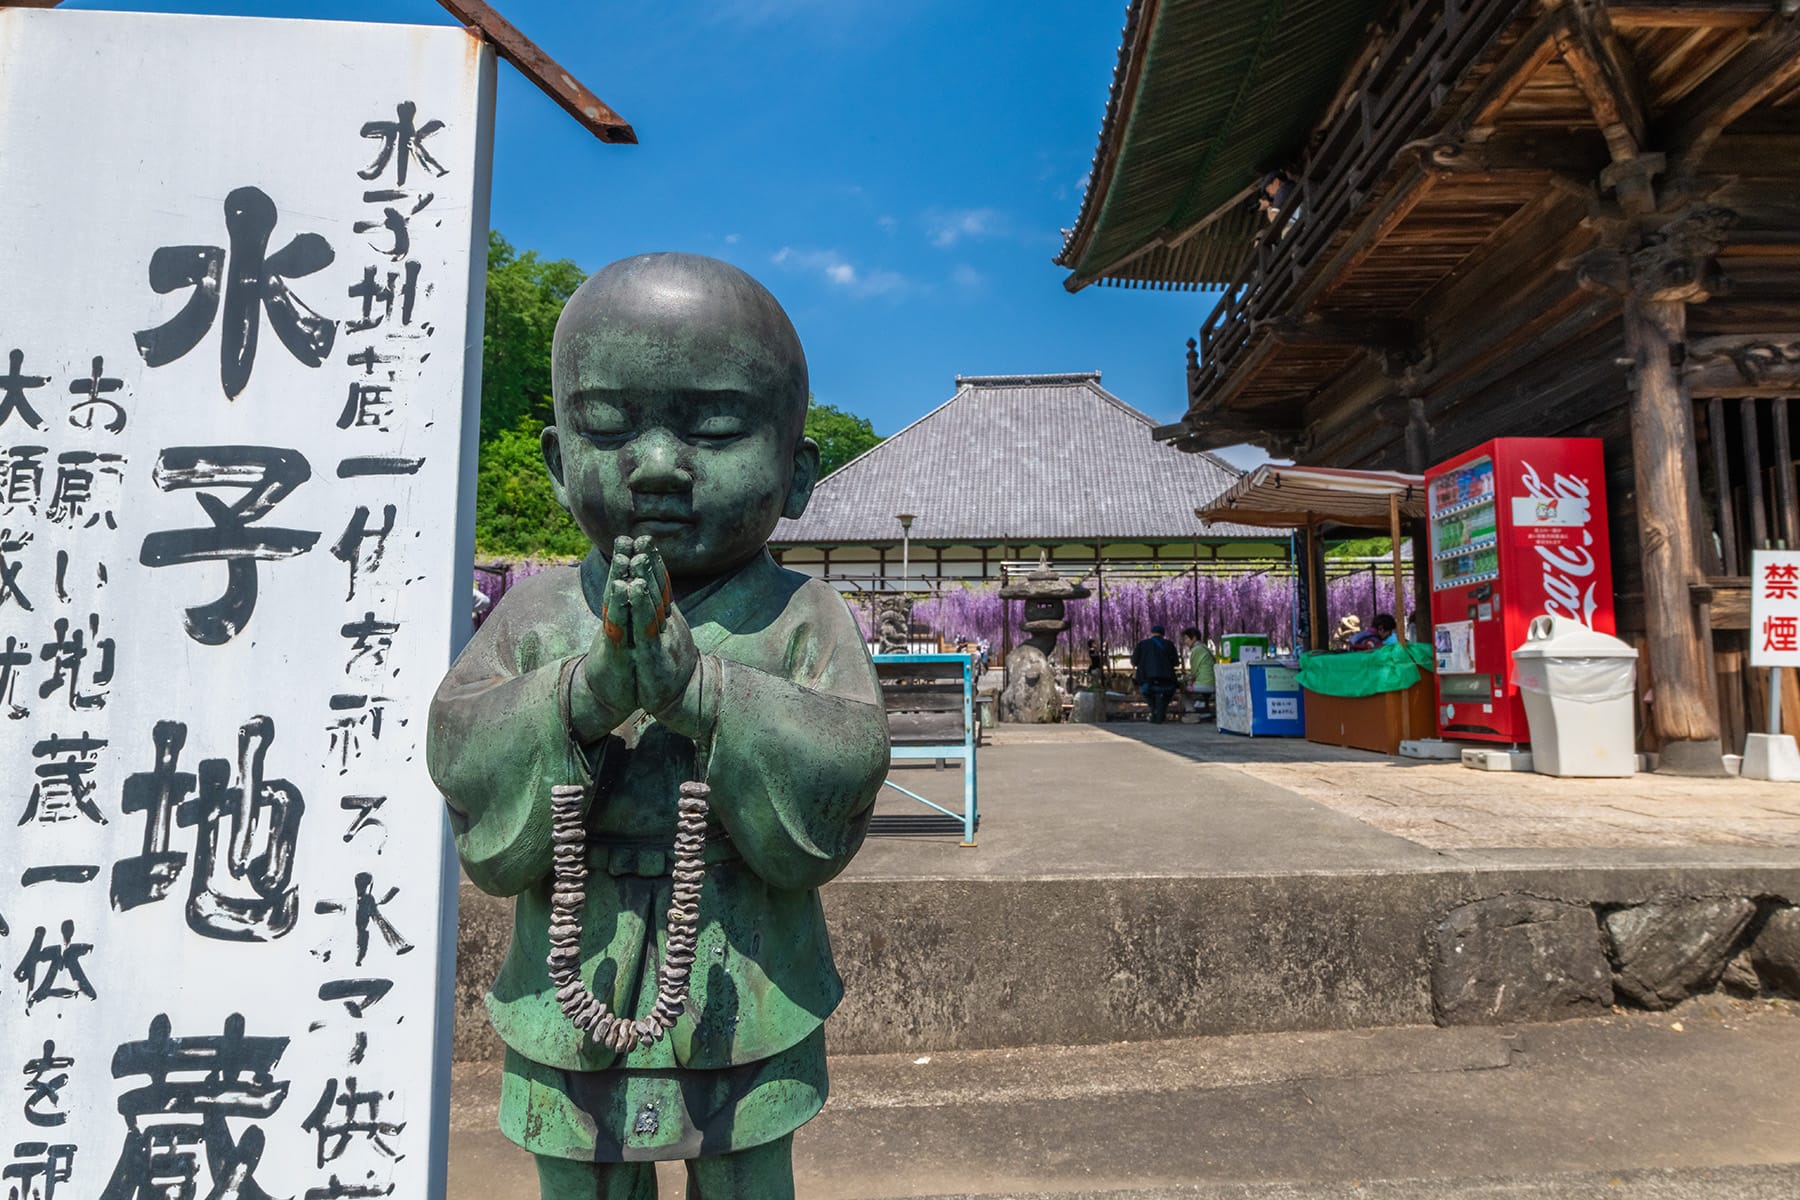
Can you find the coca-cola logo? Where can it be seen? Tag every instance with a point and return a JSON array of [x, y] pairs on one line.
[[1569, 586]]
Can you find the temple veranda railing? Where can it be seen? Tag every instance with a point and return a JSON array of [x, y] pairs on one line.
[[1434, 43]]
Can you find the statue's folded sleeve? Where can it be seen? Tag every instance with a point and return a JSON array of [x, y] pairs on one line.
[[796, 762], [497, 745]]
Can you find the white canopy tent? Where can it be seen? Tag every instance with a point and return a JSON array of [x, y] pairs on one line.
[[1308, 498]]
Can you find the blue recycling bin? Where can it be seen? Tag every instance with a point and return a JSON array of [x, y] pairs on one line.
[[1260, 699]]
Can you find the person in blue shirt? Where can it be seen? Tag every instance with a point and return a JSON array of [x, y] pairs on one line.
[[1382, 631], [1155, 660]]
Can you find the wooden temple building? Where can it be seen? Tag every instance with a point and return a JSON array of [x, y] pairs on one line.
[[1492, 217]]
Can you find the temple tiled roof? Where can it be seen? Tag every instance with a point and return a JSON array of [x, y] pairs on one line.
[[1020, 458]]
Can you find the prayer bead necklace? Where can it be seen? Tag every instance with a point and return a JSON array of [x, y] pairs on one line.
[[568, 873]]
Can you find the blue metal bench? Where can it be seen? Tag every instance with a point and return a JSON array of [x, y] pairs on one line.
[[930, 701]]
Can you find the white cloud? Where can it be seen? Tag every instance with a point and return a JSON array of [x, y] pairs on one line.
[[731, 239], [946, 227], [840, 272], [967, 278], [887, 223]]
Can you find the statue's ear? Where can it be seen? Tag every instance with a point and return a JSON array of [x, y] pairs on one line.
[[806, 475], [552, 446]]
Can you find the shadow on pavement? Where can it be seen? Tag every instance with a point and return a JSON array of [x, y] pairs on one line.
[[926, 824], [1206, 744]]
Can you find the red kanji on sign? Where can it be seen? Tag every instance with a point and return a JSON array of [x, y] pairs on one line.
[[1781, 633], [1781, 581]]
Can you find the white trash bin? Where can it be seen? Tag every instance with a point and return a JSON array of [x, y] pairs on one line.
[[1578, 687]]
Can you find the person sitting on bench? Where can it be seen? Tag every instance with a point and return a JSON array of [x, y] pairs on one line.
[[1155, 660]]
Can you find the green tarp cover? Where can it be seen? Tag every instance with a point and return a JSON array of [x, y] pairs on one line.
[[1366, 672]]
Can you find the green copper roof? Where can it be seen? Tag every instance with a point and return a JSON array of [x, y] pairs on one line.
[[1208, 95]]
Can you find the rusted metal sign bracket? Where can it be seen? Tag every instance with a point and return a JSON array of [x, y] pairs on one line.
[[593, 113]]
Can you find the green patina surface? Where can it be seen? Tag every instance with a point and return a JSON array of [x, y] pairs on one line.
[[676, 650]]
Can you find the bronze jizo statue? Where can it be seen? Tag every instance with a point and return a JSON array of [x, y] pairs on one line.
[[663, 752]]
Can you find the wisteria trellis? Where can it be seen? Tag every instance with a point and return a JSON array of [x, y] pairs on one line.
[[1215, 604]]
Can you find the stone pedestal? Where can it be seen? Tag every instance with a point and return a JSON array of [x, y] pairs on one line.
[[1772, 756], [1031, 697], [1090, 708]]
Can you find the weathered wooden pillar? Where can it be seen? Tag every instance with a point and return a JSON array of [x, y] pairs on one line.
[[1100, 598], [1316, 608], [1006, 639], [1421, 570], [1405, 409], [1667, 270], [1399, 575], [1785, 497], [1753, 475]]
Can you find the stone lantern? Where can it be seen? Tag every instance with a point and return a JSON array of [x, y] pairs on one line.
[[1031, 696]]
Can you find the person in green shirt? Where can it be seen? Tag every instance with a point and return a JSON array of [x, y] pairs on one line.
[[676, 650], [1199, 663]]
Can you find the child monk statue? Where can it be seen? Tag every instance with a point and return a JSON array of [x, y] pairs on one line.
[[677, 651]]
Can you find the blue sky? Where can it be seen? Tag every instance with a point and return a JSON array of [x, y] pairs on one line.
[[896, 171]]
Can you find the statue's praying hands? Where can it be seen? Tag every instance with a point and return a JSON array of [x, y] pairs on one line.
[[644, 655]]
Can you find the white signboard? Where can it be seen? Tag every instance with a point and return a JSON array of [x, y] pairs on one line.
[[1775, 608], [1282, 708], [237, 396], [1550, 510]]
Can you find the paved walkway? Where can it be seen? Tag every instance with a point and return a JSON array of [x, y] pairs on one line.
[[1186, 798], [1449, 806], [1079, 803]]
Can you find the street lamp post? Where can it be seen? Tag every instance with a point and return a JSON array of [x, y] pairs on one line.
[[906, 520]]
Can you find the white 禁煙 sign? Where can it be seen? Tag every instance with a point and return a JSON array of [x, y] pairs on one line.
[[1775, 608], [240, 264]]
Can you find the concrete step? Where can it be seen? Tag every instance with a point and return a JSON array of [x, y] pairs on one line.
[[1721, 1183], [1701, 1102]]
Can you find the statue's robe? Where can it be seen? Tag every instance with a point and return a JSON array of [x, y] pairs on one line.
[[795, 747]]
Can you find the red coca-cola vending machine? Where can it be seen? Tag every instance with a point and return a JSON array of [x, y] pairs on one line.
[[1518, 530]]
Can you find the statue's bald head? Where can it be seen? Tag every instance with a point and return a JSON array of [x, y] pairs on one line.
[[680, 322], [681, 398]]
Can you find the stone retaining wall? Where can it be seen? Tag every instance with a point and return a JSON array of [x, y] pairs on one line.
[[973, 964]]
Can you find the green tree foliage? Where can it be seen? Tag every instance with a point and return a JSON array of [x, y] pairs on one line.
[[1370, 547], [525, 294], [841, 435], [516, 513]]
